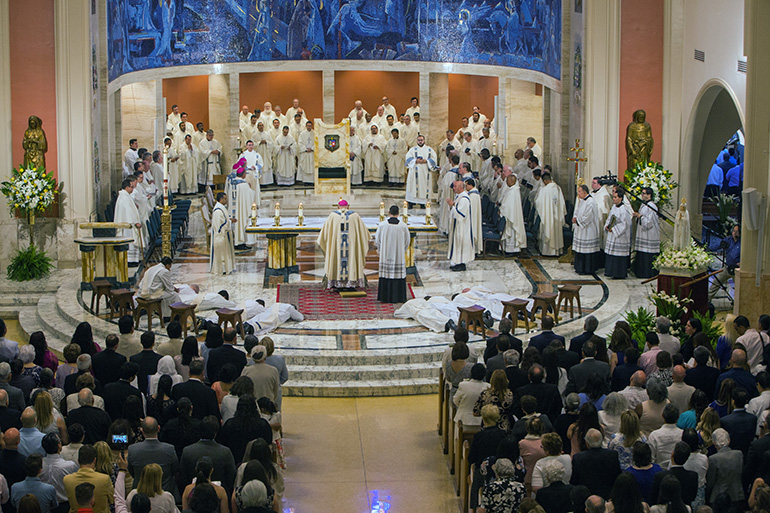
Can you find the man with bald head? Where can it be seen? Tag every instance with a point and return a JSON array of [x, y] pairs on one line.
[[595, 468], [95, 421], [8, 416], [11, 462], [15, 395], [679, 392], [635, 393], [595, 504], [154, 451], [31, 437], [738, 370]]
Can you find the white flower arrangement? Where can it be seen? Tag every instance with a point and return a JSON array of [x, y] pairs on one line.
[[655, 177], [694, 258], [30, 190]]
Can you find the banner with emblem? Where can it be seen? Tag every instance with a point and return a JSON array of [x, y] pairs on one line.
[[332, 157]]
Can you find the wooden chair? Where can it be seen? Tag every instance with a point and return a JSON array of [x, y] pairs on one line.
[[441, 399], [121, 302], [150, 306], [464, 434], [184, 312], [219, 182], [514, 306], [474, 319], [570, 293], [233, 317], [206, 215], [544, 300], [99, 289]]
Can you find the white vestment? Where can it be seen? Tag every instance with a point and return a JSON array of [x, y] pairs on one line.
[[619, 238], [210, 162], [514, 238], [157, 283], [551, 209], [189, 128], [188, 165], [380, 121], [126, 212], [447, 177], [411, 110], [306, 159], [266, 319], [240, 197], [129, 158], [461, 238], [603, 200], [173, 172], [254, 166], [478, 239], [587, 228], [222, 248], [172, 121], [442, 158], [409, 134], [266, 117], [395, 151], [374, 157], [249, 133], [265, 146], [295, 129], [244, 120], [389, 109], [469, 152], [356, 161], [197, 137], [392, 241], [142, 202], [486, 177], [418, 179], [291, 111], [286, 150]]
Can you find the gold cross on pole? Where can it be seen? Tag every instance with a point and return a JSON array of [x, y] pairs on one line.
[[577, 159]]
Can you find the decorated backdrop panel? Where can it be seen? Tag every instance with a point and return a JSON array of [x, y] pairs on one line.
[[146, 34]]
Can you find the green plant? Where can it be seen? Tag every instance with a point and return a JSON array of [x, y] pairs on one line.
[[711, 328], [29, 264], [641, 322], [725, 204]]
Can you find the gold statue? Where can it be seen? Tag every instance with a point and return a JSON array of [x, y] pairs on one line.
[[638, 140], [35, 144]]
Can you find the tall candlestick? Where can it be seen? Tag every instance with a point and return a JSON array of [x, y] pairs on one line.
[[382, 211], [300, 215], [165, 174], [253, 214], [277, 209], [405, 212], [427, 208]]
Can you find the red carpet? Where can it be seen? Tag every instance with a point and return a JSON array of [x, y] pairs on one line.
[[317, 303]]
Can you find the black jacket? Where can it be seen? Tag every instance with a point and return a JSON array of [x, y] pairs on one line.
[[107, 365], [148, 365], [115, 395], [203, 398], [597, 469], [221, 356]]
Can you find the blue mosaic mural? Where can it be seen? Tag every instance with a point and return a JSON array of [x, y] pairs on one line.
[[144, 34]]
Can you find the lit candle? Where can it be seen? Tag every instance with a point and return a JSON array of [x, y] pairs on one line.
[[301, 210], [254, 210], [382, 209], [277, 209], [427, 208], [406, 206], [165, 175]]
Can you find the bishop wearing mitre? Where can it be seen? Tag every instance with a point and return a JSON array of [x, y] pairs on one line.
[[344, 240]]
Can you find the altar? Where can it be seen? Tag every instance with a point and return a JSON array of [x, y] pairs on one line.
[[282, 240]]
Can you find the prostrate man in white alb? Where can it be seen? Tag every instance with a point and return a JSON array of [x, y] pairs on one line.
[[476, 228], [222, 248], [130, 157], [514, 238], [395, 151], [392, 240], [551, 209], [618, 248], [240, 197], [647, 242], [157, 284], [286, 150], [420, 160], [374, 155], [586, 227], [210, 154], [306, 159], [461, 241], [189, 163], [254, 165], [265, 146], [126, 212]]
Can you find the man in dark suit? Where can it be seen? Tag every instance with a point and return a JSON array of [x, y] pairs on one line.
[[84, 363], [589, 326], [702, 376], [565, 359], [595, 468], [687, 478], [115, 394], [505, 327], [516, 377], [497, 361], [738, 371], [221, 456], [759, 451], [542, 340], [547, 395], [621, 376], [146, 360], [15, 395], [95, 422], [203, 398], [11, 461], [226, 353], [107, 363], [153, 450], [579, 374], [741, 424], [8, 416]]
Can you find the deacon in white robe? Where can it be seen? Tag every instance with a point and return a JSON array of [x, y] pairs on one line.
[[286, 150], [419, 160], [514, 238], [173, 167], [395, 151], [157, 284], [306, 157], [173, 118], [222, 248], [461, 237], [188, 166], [126, 212], [647, 242], [211, 153], [586, 228], [448, 176], [618, 248], [392, 240], [475, 196], [344, 240], [551, 209], [374, 155], [240, 197], [265, 146], [254, 166], [356, 158], [130, 157]]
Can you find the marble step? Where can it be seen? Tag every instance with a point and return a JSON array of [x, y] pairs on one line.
[[297, 388], [335, 358], [30, 323], [364, 372]]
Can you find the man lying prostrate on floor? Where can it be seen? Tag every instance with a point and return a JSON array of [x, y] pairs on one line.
[[263, 319]]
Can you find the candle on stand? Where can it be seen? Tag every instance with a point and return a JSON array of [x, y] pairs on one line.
[[382, 209], [254, 213], [165, 175], [300, 214], [427, 208], [405, 211], [277, 209]]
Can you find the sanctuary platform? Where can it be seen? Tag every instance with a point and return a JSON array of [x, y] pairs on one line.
[[345, 355]]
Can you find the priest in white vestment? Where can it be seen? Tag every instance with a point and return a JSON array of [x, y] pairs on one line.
[[520, 167], [360, 122], [249, 131], [130, 157], [389, 109], [173, 167], [358, 111], [448, 176], [647, 242], [618, 248], [419, 160], [514, 237], [240, 197], [486, 173], [461, 131], [374, 155], [475, 124], [392, 241], [188, 166], [449, 140], [198, 135], [537, 151], [295, 107], [126, 212], [413, 107], [211, 153], [276, 129], [244, 117], [267, 114], [462, 248], [306, 156], [344, 240], [408, 132], [296, 127], [222, 258], [469, 151], [283, 120], [395, 151], [586, 237], [265, 146], [551, 209], [286, 150], [157, 284], [380, 119], [141, 197], [188, 127], [475, 196], [254, 166], [356, 158], [173, 118]]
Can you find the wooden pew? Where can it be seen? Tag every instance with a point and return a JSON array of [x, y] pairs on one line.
[[441, 399], [464, 472], [464, 434]]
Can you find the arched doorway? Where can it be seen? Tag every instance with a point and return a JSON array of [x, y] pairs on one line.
[[715, 117]]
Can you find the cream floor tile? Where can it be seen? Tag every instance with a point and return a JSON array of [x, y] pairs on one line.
[[326, 498], [412, 496]]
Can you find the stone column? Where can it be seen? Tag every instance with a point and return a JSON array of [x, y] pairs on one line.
[[437, 101], [552, 148], [425, 119], [328, 88], [140, 99], [673, 66], [751, 300], [6, 145], [235, 109], [220, 117], [115, 137], [524, 111], [501, 118]]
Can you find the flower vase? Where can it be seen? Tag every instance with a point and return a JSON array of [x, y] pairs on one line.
[[31, 218]]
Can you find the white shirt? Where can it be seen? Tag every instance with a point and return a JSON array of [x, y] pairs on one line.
[[54, 469], [537, 472], [754, 342], [465, 398], [662, 442]]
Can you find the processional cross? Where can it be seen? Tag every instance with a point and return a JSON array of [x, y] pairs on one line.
[[577, 159]]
